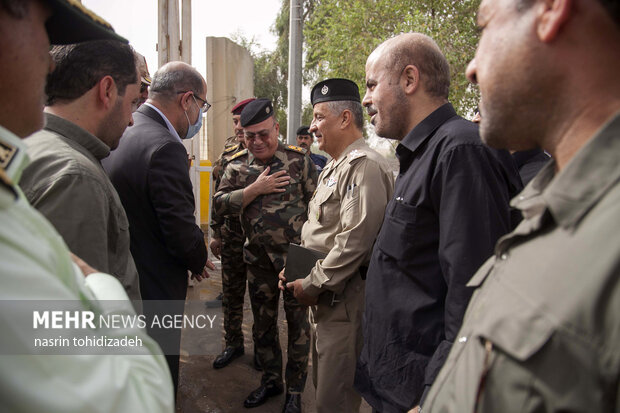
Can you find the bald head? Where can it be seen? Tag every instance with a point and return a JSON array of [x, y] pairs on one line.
[[421, 51], [174, 77]]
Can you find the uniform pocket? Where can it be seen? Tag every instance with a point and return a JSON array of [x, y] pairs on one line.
[[320, 210], [519, 335], [397, 235], [337, 313]]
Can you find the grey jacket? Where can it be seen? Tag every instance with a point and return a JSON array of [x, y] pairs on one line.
[[542, 331], [67, 184]]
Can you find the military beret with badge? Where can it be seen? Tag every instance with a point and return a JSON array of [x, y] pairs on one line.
[[256, 111]]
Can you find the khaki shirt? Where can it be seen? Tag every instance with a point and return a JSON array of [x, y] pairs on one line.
[[36, 268], [345, 215], [542, 331]]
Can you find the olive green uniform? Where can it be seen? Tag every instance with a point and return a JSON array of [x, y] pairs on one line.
[[542, 331], [271, 222], [229, 231]]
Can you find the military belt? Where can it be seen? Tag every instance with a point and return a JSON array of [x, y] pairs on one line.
[[336, 298]]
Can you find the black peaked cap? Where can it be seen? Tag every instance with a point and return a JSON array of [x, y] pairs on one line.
[[73, 23], [333, 90]]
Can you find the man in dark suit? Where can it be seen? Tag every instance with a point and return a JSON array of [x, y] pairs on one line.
[[149, 171]]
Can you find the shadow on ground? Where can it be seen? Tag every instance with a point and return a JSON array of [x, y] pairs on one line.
[[204, 389]]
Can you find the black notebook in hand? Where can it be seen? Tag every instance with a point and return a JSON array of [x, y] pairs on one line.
[[300, 261]]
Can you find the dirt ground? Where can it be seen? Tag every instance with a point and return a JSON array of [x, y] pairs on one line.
[[204, 389]]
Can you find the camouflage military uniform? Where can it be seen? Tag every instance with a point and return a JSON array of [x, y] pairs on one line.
[[271, 222], [229, 231]]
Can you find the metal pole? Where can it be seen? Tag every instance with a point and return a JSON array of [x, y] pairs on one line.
[[294, 70]]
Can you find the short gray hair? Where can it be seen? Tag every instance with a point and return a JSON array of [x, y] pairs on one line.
[[170, 82], [339, 106]]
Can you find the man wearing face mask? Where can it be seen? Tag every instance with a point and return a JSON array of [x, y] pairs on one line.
[[149, 171]]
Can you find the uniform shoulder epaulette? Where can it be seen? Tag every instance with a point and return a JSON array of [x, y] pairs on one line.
[[356, 154], [232, 148], [296, 148], [239, 154]]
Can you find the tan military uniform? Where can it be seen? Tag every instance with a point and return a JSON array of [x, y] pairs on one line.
[[344, 217]]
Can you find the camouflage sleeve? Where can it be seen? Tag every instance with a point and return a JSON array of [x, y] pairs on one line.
[[311, 177], [228, 200], [216, 220]]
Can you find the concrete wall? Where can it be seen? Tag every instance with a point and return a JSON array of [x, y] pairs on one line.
[[230, 79]]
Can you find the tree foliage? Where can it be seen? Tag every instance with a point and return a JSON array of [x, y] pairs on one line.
[[270, 75], [340, 34]]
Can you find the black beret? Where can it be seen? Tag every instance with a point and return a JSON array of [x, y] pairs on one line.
[[334, 89], [256, 111], [73, 23], [303, 130]]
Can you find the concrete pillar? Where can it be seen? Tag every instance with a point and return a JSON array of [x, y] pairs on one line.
[[230, 79], [295, 45]]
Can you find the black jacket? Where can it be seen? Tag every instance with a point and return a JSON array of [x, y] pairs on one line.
[[450, 205], [530, 163], [150, 173]]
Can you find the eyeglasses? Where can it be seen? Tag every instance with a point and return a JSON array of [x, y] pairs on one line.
[[205, 105], [262, 135]]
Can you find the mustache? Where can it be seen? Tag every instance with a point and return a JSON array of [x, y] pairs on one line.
[[370, 109]]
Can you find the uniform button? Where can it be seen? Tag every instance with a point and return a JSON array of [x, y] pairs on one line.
[[463, 339], [521, 198], [504, 256]]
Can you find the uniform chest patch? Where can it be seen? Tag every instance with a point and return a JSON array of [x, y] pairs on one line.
[[7, 153]]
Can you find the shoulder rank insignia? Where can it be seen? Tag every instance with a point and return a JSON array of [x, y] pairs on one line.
[[231, 148], [7, 153], [355, 154], [239, 154], [296, 148]]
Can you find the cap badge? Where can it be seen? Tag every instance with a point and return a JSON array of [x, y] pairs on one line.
[[324, 90], [267, 109]]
